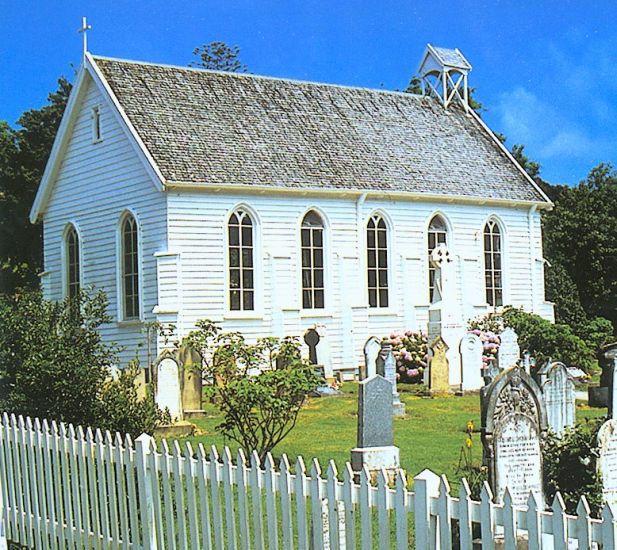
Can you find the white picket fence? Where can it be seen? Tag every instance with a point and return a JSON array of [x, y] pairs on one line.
[[71, 488]]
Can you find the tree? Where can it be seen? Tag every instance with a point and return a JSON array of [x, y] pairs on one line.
[[531, 167], [54, 364], [218, 56], [23, 156], [258, 388]]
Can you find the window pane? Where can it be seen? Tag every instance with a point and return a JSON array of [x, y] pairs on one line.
[[234, 278], [372, 258], [247, 279], [381, 239], [247, 257], [247, 236], [496, 243], [498, 297], [306, 237], [319, 299], [383, 258], [497, 260], [234, 300], [306, 257], [247, 301], [318, 257], [318, 283], [317, 237], [372, 297], [383, 278], [234, 236], [306, 278], [383, 298], [306, 299], [234, 257], [370, 239], [372, 278]]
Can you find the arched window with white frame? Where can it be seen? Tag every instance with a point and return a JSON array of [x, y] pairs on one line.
[[377, 261], [437, 234], [493, 273], [72, 262], [129, 251], [241, 261], [312, 249]]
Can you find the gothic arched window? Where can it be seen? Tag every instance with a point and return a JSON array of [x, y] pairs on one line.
[[492, 264], [130, 267], [241, 265], [437, 234], [312, 246], [72, 262], [377, 261]]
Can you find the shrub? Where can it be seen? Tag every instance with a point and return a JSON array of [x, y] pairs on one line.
[[473, 471], [53, 364], [570, 466], [258, 388], [410, 349]]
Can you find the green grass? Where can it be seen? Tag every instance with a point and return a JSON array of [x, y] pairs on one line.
[[430, 436]]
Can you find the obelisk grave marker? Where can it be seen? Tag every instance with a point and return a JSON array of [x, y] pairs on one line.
[[513, 427]]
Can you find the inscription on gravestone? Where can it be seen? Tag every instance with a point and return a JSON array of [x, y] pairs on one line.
[[607, 461], [513, 427], [509, 352]]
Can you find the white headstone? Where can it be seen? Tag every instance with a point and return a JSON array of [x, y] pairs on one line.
[[471, 361], [607, 461], [372, 348], [509, 352], [612, 393], [559, 398], [168, 388], [513, 426]]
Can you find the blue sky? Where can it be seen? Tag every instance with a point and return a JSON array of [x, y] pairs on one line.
[[545, 71]]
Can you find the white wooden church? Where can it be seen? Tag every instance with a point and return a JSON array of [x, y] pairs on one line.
[[275, 206]]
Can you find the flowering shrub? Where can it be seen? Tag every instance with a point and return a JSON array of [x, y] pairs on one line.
[[410, 349], [490, 346]]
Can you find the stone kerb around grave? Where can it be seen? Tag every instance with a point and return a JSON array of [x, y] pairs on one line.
[[514, 426]]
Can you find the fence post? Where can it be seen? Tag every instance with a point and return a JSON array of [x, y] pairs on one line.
[[144, 445], [426, 487]]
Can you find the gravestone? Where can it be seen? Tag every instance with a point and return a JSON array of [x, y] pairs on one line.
[[509, 353], [372, 348], [599, 395], [319, 349], [311, 339], [558, 390], [527, 362], [375, 445], [471, 362], [513, 430], [190, 362], [386, 367], [607, 460], [168, 388], [438, 368]]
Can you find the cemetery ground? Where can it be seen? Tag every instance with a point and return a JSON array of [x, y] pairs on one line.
[[430, 436]]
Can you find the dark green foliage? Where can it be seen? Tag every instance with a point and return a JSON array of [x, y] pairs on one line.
[[570, 466], [562, 291], [545, 340], [258, 410], [53, 364], [531, 167], [218, 56], [121, 409], [23, 155]]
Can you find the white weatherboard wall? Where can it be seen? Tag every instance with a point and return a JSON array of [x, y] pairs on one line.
[[197, 237], [96, 183]]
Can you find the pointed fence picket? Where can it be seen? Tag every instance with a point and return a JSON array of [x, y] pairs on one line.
[[65, 487]]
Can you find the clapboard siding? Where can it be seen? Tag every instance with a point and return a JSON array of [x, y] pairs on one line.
[[197, 229], [96, 183]]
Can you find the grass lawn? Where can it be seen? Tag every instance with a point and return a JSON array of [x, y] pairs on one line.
[[430, 436]]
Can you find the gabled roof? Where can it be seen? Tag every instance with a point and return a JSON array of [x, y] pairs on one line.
[[208, 128], [451, 57]]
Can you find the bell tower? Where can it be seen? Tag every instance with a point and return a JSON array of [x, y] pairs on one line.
[[444, 75]]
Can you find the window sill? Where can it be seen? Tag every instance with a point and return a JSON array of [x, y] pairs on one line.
[[243, 316], [130, 323], [381, 312], [315, 313], [95, 141]]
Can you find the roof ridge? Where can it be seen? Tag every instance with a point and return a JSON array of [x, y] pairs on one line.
[[397, 93]]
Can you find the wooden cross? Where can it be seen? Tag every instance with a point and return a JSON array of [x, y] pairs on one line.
[[84, 31]]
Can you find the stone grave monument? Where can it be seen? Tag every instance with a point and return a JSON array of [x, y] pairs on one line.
[[386, 367], [471, 362], [558, 391], [372, 349], [375, 447], [191, 382], [316, 340], [607, 460], [168, 393], [514, 426], [509, 352], [438, 368]]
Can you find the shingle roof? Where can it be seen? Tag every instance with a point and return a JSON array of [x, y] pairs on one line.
[[205, 127], [453, 58]]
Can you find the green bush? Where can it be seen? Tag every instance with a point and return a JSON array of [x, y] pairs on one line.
[[545, 340], [259, 388], [570, 466], [53, 364]]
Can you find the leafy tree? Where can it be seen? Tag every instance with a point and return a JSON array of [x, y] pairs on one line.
[[218, 56], [258, 388], [54, 364], [23, 155], [531, 167]]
